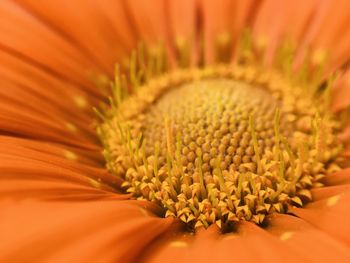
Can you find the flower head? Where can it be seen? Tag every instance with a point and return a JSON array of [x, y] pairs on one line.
[[174, 130]]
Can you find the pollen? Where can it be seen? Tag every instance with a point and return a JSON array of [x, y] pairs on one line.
[[71, 127], [80, 102], [286, 235], [332, 201], [70, 155], [178, 244]]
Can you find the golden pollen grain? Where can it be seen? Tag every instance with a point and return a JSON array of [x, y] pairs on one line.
[[222, 144]]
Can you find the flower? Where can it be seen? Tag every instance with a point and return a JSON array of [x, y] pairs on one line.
[[59, 202]]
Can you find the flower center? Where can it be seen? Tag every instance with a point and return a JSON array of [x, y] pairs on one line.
[[221, 144], [211, 119]]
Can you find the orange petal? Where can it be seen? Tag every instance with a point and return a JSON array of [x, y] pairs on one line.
[[306, 240], [23, 121], [225, 17], [328, 33], [103, 231], [261, 246], [183, 245], [24, 36], [277, 21], [33, 189], [60, 113], [150, 20], [23, 163], [184, 29], [328, 191], [87, 156], [217, 20], [27, 100], [15, 121], [341, 92], [330, 215], [100, 29], [30, 76], [250, 244], [339, 178], [292, 18]]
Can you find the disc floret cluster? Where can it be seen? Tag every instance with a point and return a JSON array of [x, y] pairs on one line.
[[220, 144]]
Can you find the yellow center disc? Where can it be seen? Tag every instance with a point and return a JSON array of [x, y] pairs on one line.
[[221, 144]]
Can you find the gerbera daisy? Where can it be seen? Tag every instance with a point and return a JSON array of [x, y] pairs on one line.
[[177, 131]]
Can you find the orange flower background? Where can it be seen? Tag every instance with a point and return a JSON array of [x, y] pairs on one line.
[[58, 201]]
